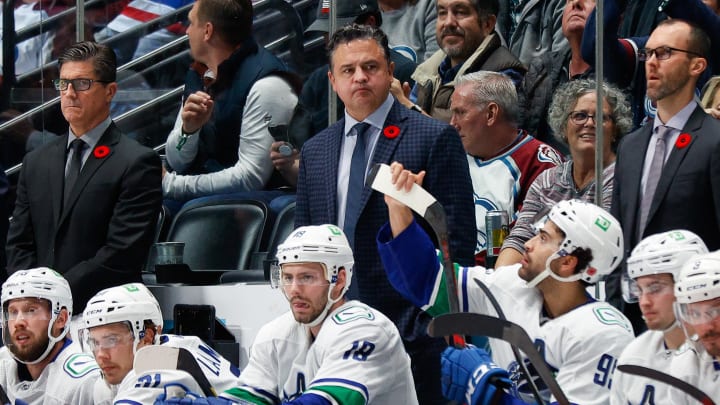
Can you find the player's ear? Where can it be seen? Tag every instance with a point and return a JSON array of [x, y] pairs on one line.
[[567, 265], [340, 284], [62, 319], [149, 337]]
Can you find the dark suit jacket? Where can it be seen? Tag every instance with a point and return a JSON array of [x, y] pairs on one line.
[[101, 239], [423, 144], [687, 195]]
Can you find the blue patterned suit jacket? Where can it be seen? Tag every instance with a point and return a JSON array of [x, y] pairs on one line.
[[423, 144]]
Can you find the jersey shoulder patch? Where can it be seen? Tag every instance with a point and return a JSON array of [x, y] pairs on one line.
[[608, 315], [79, 365], [546, 154], [353, 313]]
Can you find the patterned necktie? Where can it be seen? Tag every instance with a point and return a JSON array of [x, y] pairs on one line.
[[356, 182], [71, 176], [653, 176]]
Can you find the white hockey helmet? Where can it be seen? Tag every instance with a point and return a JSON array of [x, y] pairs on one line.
[[43, 283], [130, 303], [590, 227], [324, 244], [662, 253], [699, 279]]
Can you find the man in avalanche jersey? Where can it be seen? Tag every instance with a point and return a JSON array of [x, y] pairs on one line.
[[503, 160]]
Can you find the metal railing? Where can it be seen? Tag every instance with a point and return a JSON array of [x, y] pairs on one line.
[[293, 40]]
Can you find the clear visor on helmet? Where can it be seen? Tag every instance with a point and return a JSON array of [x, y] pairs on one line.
[[698, 313], [693, 342], [98, 338], [279, 278], [23, 310], [630, 289]]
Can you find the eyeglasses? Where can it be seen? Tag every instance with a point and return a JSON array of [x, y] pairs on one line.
[[77, 84], [581, 117], [661, 52], [108, 342]]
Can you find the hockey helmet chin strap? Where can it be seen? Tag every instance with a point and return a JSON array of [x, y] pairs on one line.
[[549, 273], [320, 318]]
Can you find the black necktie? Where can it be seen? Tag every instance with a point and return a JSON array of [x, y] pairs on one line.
[[356, 183], [71, 176]]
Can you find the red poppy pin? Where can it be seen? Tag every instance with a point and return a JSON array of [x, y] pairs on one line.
[[101, 151], [683, 140], [391, 131]]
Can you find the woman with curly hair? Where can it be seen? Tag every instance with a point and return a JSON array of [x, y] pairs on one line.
[[572, 119], [711, 97]]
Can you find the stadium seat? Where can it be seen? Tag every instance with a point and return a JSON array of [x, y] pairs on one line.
[[219, 235], [284, 224]]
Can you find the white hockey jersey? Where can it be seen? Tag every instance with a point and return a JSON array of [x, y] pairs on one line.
[[581, 346], [647, 350], [145, 388], [356, 358], [699, 370], [67, 380]]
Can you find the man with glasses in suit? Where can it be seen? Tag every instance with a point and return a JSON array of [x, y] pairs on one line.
[[87, 202]]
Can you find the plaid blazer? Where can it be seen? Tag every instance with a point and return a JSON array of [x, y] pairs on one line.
[[423, 144]]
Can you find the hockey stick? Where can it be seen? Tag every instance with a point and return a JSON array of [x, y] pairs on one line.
[[3, 397], [516, 353], [667, 379], [159, 357], [425, 205], [468, 323]]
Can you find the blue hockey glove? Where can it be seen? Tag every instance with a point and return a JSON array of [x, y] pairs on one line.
[[178, 394], [470, 376]]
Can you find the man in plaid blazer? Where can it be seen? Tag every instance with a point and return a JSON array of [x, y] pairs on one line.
[[361, 73]]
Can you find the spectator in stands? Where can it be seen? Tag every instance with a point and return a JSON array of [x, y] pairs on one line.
[[87, 202], [622, 65], [234, 91], [533, 28], [551, 69], [34, 52], [139, 12], [466, 34], [118, 322], [572, 117], [314, 96], [410, 27], [711, 97], [40, 363], [331, 182], [298, 357], [503, 159], [674, 160]]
